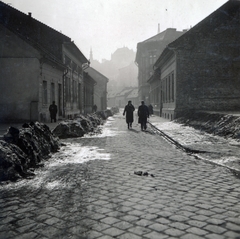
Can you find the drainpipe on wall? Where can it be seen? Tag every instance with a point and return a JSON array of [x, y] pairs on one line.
[[41, 115]]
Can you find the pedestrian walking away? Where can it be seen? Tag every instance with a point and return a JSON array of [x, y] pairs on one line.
[[143, 114], [53, 111], [150, 108], [128, 110]]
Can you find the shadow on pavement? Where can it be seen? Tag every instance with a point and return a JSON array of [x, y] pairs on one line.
[[134, 131]]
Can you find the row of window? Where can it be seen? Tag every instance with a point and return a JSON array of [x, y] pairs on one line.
[[154, 96], [71, 94], [45, 93], [68, 92], [149, 60], [72, 65], [168, 88]]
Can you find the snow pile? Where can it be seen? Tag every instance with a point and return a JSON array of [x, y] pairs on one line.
[[81, 125], [225, 125], [25, 148], [216, 135]]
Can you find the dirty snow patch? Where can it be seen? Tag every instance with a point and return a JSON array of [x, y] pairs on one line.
[[76, 153], [106, 130]]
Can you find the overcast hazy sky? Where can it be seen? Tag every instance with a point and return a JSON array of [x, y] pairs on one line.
[[105, 25]]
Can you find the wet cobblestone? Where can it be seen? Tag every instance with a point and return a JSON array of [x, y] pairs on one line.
[[186, 198]]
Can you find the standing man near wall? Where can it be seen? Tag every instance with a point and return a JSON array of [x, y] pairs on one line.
[[94, 108], [53, 111]]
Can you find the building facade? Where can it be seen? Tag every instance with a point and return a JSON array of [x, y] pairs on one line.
[[155, 92], [127, 76], [74, 91], [89, 84], [28, 80], [100, 88], [38, 65], [148, 52], [121, 98], [200, 71], [133, 96]]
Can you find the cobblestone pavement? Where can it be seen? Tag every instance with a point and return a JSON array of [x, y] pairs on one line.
[[183, 198]]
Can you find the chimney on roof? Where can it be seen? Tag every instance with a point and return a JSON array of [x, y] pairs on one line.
[[91, 54], [158, 27], [30, 14]]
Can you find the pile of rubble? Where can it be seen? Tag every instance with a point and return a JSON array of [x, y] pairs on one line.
[[115, 110], [25, 148], [22, 150], [225, 125], [83, 124]]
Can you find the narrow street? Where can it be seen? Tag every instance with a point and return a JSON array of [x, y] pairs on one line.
[[89, 190]]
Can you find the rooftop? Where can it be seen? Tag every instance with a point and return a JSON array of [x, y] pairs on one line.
[[32, 31]]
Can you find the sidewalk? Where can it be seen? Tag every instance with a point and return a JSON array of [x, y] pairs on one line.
[[215, 149], [157, 119]]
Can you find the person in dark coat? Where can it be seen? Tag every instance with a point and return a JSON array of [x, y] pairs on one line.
[[143, 114], [150, 108], [94, 108], [129, 108], [53, 111]]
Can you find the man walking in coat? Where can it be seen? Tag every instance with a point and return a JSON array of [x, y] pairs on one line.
[[143, 114], [53, 111], [129, 108]]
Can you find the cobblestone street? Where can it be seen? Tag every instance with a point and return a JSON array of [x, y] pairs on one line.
[[181, 197]]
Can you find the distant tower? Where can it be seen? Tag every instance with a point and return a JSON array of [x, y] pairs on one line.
[[158, 27], [91, 55]]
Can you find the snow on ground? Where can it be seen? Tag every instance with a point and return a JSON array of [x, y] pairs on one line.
[[106, 130], [69, 155], [221, 151], [224, 152], [186, 135], [72, 153]]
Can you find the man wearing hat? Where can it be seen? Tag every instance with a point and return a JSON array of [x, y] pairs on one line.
[[143, 114], [53, 111], [129, 108]]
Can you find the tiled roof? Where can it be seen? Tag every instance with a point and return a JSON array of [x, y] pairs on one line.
[[88, 79], [228, 11], [93, 72], [133, 94], [160, 41], [167, 35], [112, 94], [124, 92], [71, 47], [34, 32]]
